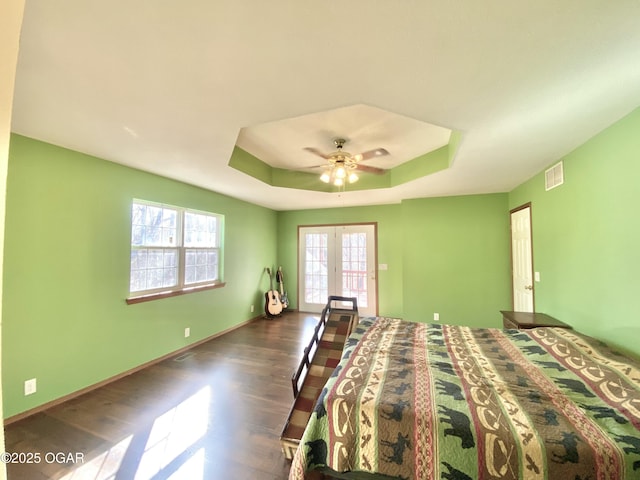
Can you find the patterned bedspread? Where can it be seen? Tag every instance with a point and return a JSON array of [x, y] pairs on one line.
[[430, 401]]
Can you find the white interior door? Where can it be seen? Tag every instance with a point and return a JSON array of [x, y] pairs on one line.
[[337, 260], [522, 259]]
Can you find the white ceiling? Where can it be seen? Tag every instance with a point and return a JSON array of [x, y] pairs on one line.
[[166, 87]]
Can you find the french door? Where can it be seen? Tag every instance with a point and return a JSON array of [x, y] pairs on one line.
[[337, 260]]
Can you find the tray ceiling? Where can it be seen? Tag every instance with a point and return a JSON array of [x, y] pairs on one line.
[[177, 88]]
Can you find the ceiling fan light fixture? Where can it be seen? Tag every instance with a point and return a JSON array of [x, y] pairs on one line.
[[342, 165], [326, 176]]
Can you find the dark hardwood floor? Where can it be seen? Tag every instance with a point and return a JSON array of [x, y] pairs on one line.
[[215, 412]]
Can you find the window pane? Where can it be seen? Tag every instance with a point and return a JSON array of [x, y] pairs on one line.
[[155, 258], [168, 236], [137, 235], [138, 281], [153, 217], [170, 277], [190, 274], [170, 258], [169, 218], [201, 265], [200, 230], [138, 259], [153, 268], [138, 213], [153, 225], [159, 237], [201, 273], [154, 278]]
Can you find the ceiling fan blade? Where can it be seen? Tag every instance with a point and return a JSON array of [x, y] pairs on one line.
[[317, 152], [377, 152], [369, 169], [324, 165]]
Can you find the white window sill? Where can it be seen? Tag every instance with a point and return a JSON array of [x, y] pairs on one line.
[[172, 293]]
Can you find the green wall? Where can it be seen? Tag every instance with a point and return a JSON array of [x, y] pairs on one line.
[[66, 272], [456, 259], [436, 249], [586, 236]]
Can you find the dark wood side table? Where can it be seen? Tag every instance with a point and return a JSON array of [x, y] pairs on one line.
[[522, 320]]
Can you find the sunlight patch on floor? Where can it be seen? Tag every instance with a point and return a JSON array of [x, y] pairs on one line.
[[170, 438], [173, 433], [103, 467]]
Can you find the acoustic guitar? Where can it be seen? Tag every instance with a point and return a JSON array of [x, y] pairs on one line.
[[283, 294], [272, 304]]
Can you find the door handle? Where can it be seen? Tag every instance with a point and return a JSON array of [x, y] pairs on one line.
[[528, 287]]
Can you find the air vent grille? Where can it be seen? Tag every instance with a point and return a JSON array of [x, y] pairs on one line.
[[553, 176], [184, 356]]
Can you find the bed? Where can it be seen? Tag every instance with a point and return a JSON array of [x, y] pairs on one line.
[[430, 401]]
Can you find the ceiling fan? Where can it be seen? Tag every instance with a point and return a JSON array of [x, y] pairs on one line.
[[342, 165]]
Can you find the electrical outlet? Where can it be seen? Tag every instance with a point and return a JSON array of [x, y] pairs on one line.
[[252, 308], [187, 332], [30, 387], [436, 317]]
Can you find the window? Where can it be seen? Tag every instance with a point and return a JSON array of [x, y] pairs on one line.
[[173, 249]]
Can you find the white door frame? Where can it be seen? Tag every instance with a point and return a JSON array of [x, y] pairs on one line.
[[523, 293], [335, 278]]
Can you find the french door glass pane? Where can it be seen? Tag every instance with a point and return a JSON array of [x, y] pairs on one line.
[[316, 273], [354, 267]]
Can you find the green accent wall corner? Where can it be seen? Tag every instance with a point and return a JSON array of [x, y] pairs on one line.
[[66, 272], [586, 235]]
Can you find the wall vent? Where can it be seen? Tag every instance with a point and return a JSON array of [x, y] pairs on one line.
[[553, 176]]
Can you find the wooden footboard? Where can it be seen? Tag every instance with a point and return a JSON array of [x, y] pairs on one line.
[[318, 361]]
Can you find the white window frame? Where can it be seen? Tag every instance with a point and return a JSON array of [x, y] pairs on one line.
[[170, 237]]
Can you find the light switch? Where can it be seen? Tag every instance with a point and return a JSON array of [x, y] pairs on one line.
[[383, 266], [536, 276]]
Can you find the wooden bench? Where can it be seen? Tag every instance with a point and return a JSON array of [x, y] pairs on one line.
[[319, 359]]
